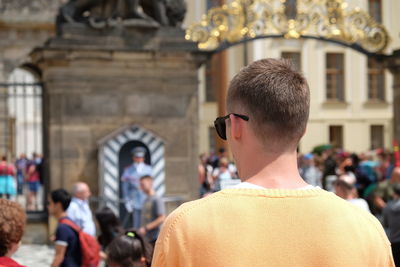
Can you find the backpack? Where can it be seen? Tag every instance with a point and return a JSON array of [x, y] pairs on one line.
[[90, 248]]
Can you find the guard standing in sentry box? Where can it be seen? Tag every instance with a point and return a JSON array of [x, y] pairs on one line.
[[131, 193]]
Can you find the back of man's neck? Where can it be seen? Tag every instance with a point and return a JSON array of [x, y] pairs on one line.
[[278, 171]]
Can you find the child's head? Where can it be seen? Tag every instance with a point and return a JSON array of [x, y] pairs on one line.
[[12, 224], [128, 250]]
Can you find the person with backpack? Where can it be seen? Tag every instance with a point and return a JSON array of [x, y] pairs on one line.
[[67, 247], [73, 246]]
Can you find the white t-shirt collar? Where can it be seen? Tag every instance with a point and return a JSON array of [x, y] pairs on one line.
[[254, 186]]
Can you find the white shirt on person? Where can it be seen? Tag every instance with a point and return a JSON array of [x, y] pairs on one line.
[[79, 212], [254, 186], [359, 202]]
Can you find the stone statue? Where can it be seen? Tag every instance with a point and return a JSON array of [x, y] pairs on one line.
[[103, 13]]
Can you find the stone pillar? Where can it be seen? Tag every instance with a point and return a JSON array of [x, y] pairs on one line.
[[394, 67], [99, 81]]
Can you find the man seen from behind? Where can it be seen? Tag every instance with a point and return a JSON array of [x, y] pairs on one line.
[[273, 218]]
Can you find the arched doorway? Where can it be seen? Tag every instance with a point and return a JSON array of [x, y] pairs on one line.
[[21, 134]]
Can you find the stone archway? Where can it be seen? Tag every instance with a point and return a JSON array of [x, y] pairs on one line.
[[109, 161]]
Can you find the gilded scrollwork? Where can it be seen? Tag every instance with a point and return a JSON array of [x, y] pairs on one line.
[[327, 19]]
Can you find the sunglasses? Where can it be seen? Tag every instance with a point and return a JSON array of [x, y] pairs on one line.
[[220, 125]]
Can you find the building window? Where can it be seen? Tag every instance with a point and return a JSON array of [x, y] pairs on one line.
[[376, 80], [377, 139], [294, 57], [375, 10], [335, 76], [336, 136]]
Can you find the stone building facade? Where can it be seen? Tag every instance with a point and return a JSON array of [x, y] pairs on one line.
[[101, 88]]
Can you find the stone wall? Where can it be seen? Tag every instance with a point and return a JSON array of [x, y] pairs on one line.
[[28, 11], [92, 90]]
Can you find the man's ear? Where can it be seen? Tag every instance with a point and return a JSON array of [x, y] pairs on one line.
[[236, 127]]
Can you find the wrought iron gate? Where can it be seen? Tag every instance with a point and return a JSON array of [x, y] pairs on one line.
[[21, 133], [20, 119]]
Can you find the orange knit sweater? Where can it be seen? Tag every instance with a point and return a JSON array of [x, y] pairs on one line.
[[271, 227]]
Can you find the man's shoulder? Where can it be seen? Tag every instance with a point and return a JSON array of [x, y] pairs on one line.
[[223, 202], [62, 227], [65, 232], [73, 205], [354, 216], [187, 209]]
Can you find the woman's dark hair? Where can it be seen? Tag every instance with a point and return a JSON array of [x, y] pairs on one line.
[[128, 250], [61, 196], [109, 224]]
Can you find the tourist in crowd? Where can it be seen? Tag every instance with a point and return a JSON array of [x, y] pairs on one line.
[[110, 228], [311, 174], [369, 167], [384, 192], [131, 193], [21, 165], [204, 176], [129, 250], [12, 225], [67, 246], [79, 211], [33, 180], [215, 160], [38, 161], [153, 212], [385, 165], [273, 216], [391, 221], [329, 169], [221, 174], [345, 188], [7, 183]]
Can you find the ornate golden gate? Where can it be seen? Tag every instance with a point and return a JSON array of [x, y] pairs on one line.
[[329, 20]]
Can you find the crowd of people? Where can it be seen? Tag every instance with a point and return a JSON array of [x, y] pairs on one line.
[[365, 176], [22, 177], [216, 172], [364, 179], [278, 216], [76, 240]]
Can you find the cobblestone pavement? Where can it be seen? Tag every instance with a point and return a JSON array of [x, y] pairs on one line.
[[36, 255]]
